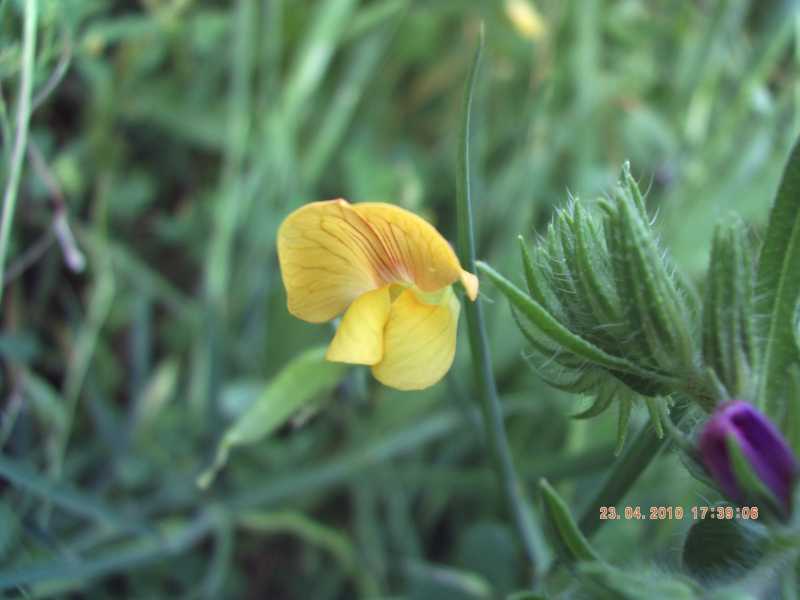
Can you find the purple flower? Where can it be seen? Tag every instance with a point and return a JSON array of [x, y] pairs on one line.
[[770, 457]]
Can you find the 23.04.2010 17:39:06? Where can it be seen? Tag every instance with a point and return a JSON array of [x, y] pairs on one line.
[[610, 513]]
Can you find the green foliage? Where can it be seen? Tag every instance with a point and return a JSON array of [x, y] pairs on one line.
[[143, 312], [303, 379], [730, 346], [574, 545], [609, 582], [753, 489], [604, 310], [779, 289], [719, 549]]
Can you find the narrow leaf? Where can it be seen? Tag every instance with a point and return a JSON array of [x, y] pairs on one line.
[[294, 387], [631, 585], [728, 317], [625, 406], [560, 334], [67, 498], [577, 546], [601, 403], [779, 286], [717, 548], [655, 415]]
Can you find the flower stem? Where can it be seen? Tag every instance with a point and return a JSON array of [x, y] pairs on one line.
[[491, 409], [626, 471], [21, 136]]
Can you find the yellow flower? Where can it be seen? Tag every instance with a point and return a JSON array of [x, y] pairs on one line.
[[526, 19], [390, 272]]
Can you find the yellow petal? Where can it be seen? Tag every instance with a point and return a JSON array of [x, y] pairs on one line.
[[332, 252], [419, 341], [470, 283], [416, 252], [359, 339], [326, 254], [526, 19]]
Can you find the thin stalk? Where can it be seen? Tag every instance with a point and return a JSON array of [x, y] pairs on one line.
[[491, 409], [627, 470], [21, 141]]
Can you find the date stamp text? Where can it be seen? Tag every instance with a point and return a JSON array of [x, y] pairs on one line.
[[664, 513]]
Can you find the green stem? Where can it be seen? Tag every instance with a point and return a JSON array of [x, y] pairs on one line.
[[491, 408], [21, 141], [638, 456]]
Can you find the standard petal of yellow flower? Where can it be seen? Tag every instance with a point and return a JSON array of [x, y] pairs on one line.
[[359, 339], [327, 255], [419, 341], [415, 252], [332, 252]]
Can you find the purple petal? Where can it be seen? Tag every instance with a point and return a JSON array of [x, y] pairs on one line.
[[761, 443]]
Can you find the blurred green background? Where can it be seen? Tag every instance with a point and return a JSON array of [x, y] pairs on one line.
[[179, 133]]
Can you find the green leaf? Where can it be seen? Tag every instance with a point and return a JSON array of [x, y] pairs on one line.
[[655, 415], [525, 595], [67, 498], [560, 334], [363, 60], [436, 581], [373, 16], [610, 293], [315, 534], [501, 566], [311, 65], [157, 392], [294, 387], [9, 530], [791, 423], [626, 470], [18, 347], [601, 403], [630, 585], [538, 278], [720, 548], [778, 286], [310, 531], [593, 271], [625, 406], [662, 312], [577, 547], [728, 312], [172, 538], [45, 402]]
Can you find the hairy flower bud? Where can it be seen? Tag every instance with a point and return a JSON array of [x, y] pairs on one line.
[[738, 428]]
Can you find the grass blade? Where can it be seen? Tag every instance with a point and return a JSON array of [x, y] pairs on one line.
[[21, 140], [66, 498]]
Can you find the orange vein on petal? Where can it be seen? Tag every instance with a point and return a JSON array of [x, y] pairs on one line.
[[328, 257], [423, 254], [332, 252]]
